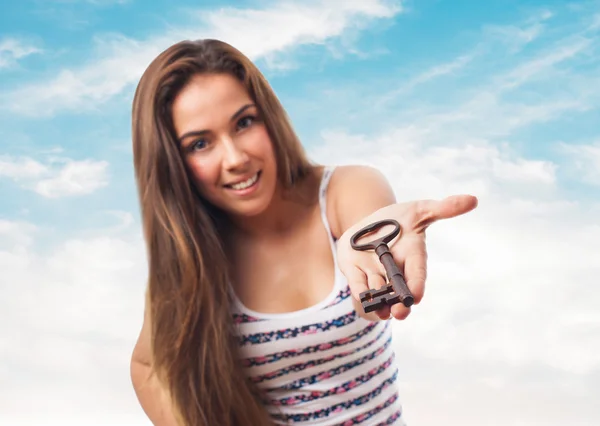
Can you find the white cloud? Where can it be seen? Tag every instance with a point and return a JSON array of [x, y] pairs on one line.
[[537, 66], [482, 102], [60, 177], [21, 168], [443, 69], [120, 61], [74, 178], [313, 22], [15, 240], [583, 161], [595, 22], [11, 50], [432, 73], [518, 36], [70, 314], [498, 103]]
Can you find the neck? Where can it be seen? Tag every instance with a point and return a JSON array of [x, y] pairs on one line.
[[283, 214]]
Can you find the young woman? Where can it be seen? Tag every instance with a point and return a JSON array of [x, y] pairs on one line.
[[252, 314]]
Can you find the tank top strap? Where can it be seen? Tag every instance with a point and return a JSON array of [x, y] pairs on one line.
[[327, 173]]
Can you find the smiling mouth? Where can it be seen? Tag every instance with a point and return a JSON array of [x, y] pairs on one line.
[[245, 184]]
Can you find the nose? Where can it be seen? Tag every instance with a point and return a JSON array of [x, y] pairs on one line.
[[234, 156]]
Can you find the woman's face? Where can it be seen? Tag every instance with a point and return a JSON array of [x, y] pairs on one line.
[[225, 144]]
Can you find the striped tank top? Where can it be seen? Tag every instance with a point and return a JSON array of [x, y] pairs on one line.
[[323, 365]]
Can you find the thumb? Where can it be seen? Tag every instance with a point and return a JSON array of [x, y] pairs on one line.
[[429, 211], [455, 205]]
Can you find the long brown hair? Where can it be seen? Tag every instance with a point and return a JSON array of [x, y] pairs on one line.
[[194, 350]]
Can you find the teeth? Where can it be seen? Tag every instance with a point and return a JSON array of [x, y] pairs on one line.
[[246, 184]]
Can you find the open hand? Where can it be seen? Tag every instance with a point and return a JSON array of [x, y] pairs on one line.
[[364, 270]]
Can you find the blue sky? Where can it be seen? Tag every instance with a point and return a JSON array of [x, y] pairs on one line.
[[500, 99]]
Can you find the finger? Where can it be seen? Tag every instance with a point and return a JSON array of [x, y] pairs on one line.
[[429, 211], [357, 281], [376, 280], [399, 311], [455, 205]]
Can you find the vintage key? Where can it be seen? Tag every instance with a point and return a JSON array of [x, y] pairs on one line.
[[396, 290]]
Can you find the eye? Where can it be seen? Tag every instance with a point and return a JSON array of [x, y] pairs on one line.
[[198, 145], [245, 122]]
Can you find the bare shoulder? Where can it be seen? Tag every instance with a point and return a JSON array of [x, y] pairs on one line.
[[356, 191]]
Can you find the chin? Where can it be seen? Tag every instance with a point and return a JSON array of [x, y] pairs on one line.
[[249, 210]]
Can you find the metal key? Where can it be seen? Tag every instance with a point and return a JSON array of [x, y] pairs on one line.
[[396, 290]]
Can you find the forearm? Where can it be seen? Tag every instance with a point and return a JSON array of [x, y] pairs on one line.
[[152, 397]]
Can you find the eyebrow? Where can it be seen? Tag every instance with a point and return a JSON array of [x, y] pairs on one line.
[[202, 132]]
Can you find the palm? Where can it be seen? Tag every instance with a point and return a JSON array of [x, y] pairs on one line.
[[364, 270]]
